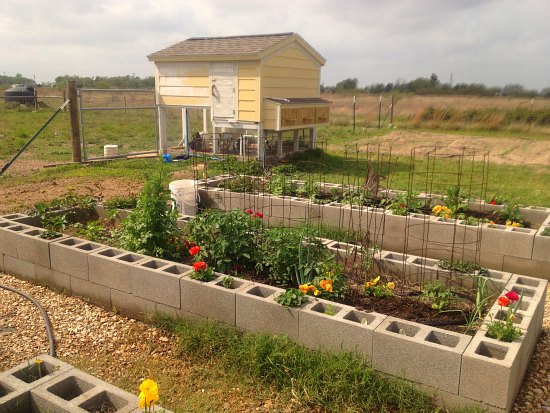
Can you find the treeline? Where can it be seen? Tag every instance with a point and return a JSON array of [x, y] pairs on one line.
[[432, 86], [105, 82], [95, 82]]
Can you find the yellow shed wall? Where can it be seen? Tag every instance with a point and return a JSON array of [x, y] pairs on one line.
[[248, 74], [183, 83], [291, 73]]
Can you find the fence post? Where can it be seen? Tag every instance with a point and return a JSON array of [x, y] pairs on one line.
[[75, 124]]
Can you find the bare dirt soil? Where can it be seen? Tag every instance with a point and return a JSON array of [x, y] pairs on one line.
[[513, 151]]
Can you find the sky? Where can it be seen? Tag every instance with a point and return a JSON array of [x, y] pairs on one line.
[[494, 42]]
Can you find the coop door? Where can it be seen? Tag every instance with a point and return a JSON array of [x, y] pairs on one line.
[[223, 90]]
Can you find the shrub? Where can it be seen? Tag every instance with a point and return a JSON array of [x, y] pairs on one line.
[[151, 227], [231, 239]]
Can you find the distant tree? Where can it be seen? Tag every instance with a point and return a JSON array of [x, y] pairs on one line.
[[347, 85], [545, 93], [434, 80], [375, 88], [388, 87], [513, 89]]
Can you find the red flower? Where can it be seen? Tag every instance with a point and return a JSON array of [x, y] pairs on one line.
[[402, 205], [493, 202], [512, 296], [195, 250], [259, 214], [199, 266], [503, 301], [249, 211]]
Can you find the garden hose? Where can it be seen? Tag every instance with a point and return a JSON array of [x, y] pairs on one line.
[[49, 330]]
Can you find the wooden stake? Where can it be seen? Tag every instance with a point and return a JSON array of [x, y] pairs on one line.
[[75, 124]]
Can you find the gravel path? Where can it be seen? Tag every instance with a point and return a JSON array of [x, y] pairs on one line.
[[82, 329]]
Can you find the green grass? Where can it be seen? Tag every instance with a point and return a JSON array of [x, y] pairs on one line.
[[315, 379], [528, 185]]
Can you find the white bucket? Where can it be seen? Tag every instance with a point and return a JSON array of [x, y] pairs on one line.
[[110, 150], [184, 194]]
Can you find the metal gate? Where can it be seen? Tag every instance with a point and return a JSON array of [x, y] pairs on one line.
[[124, 119]]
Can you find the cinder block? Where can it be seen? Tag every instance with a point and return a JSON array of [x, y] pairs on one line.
[[401, 348], [11, 217], [151, 283], [491, 371], [541, 247], [256, 310], [332, 214], [32, 221], [534, 295], [70, 256], [8, 237], [96, 293], [53, 278], [113, 268], [508, 241], [31, 374], [130, 305], [347, 330], [77, 391], [22, 269], [1, 262], [32, 248], [211, 300], [533, 268]]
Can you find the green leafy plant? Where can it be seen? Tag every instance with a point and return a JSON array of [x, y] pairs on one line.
[[54, 224], [546, 232], [121, 202], [511, 215], [438, 295], [280, 185], [93, 231], [230, 238], [462, 266], [151, 227], [227, 282], [456, 202], [310, 189], [404, 203], [503, 329], [292, 297], [357, 197], [329, 310], [242, 184]]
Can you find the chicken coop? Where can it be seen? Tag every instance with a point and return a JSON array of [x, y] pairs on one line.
[[252, 90]]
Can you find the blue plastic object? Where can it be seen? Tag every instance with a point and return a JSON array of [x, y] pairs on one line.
[[167, 157]]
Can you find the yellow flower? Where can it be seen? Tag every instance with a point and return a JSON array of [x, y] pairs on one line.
[[391, 285], [369, 284], [317, 292], [436, 209], [39, 361], [304, 288], [511, 223], [148, 393], [375, 281]]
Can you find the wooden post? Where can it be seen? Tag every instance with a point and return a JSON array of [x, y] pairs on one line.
[[75, 124], [280, 143], [296, 141]]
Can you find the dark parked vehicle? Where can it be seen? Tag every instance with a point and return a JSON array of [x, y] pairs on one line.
[[24, 94]]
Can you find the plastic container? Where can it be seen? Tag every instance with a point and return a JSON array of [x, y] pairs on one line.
[[110, 150], [183, 192]]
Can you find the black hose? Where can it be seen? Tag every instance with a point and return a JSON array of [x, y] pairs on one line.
[[49, 330]]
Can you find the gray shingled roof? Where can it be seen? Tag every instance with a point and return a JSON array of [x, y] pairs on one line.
[[232, 45]]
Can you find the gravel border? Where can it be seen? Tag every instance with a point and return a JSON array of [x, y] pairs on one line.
[[82, 328]]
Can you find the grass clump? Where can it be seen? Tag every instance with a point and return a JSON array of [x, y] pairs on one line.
[[309, 378]]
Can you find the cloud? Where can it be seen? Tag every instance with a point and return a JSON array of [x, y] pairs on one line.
[[490, 41]]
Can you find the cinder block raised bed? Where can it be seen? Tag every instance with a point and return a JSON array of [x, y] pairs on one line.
[[456, 368], [497, 247]]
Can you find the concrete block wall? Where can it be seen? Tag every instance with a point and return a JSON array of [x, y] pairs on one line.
[[55, 386], [446, 362]]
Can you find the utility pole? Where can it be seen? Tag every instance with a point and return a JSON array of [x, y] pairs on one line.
[[75, 124]]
